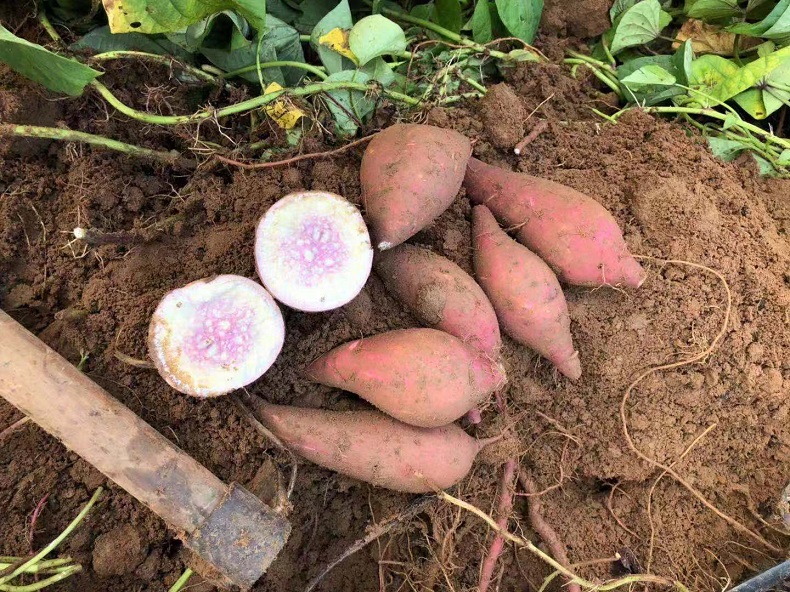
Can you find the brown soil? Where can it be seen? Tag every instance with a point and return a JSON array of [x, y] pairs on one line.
[[673, 200]]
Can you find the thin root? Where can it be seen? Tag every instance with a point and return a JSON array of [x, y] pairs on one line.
[[13, 427], [695, 358], [375, 532], [267, 165]]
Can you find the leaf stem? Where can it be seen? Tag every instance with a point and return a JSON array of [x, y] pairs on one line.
[[55, 542], [278, 64], [45, 22], [168, 61]]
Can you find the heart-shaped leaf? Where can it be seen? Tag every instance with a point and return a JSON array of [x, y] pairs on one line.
[[640, 24], [374, 36]]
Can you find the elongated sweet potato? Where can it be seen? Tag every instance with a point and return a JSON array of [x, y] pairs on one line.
[[422, 377], [371, 447], [525, 293], [441, 294], [410, 174], [572, 232]]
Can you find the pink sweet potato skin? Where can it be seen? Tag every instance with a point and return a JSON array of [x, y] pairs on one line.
[[525, 293], [410, 174], [422, 377], [371, 447], [572, 232], [441, 294]]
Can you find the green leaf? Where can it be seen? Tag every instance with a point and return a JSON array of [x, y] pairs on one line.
[[725, 149], [773, 26], [521, 17], [482, 27], [649, 94], [337, 18], [168, 16], [101, 39], [759, 73], [197, 34], [772, 91], [448, 14], [708, 73], [37, 63], [640, 24], [682, 62], [380, 70], [730, 120], [374, 36], [348, 106], [283, 10], [712, 10], [784, 158], [650, 75], [279, 41], [619, 7], [312, 11], [766, 168]]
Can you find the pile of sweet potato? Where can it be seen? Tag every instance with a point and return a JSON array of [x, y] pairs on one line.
[[422, 380]]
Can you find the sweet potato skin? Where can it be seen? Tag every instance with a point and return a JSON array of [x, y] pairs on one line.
[[410, 174], [525, 293], [572, 232], [371, 447], [422, 377], [441, 294]]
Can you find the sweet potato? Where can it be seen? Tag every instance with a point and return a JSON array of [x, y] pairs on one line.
[[525, 293], [572, 232], [371, 447], [422, 377], [441, 294], [410, 174]]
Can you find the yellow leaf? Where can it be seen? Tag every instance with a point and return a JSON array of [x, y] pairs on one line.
[[707, 38], [281, 110], [337, 41]]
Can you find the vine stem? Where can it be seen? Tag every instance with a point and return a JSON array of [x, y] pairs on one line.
[[160, 59], [69, 135], [55, 542], [714, 114], [40, 585], [278, 64], [522, 542], [248, 105]]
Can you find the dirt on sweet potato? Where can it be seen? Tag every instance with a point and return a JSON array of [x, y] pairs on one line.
[[672, 198]]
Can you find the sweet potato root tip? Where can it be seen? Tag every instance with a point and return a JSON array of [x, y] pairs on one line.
[[524, 292]]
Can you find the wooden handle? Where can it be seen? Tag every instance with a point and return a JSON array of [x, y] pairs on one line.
[[89, 421]]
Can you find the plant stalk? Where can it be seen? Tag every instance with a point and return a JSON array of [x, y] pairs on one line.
[[160, 59], [278, 64], [55, 542], [248, 105], [68, 135]]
